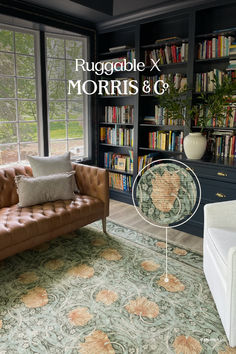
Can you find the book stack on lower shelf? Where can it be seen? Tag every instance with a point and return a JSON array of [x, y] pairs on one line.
[[120, 182], [166, 140], [117, 136]]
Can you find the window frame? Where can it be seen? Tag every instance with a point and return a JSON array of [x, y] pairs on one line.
[[16, 99]]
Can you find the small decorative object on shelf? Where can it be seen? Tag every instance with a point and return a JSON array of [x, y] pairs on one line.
[[215, 47]]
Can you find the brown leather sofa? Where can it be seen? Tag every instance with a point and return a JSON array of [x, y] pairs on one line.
[[24, 228]]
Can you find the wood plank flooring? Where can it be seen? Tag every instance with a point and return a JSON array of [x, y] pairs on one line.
[[126, 215]]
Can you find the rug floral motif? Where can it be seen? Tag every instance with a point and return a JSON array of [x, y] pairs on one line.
[[91, 293]]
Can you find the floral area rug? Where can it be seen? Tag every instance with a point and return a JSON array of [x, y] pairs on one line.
[[91, 293]]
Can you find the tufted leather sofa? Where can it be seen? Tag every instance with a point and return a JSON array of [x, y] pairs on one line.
[[24, 228]]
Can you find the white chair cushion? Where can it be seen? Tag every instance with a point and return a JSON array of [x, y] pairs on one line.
[[223, 240]]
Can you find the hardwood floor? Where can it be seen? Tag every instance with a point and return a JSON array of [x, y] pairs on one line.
[[126, 214]]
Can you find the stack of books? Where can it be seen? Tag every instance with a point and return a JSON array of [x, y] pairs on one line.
[[214, 48], [168, 54], [119, 114], [162, 119], [144, 160], [166, 140], [117, 136]]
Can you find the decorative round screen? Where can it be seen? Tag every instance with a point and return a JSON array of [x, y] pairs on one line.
[[167, 193]]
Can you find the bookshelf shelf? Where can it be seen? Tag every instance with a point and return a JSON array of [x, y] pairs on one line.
[[118, 124], [130, 173], [211, 60], [115, 53], [164, 42], [116, 97], [163, 127], [160, 150], [214, 128], [117, 146]]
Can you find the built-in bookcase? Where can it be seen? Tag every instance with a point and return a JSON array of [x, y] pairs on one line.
[[149, 38]]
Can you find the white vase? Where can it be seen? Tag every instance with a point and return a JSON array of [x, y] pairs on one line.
[[195, 146]]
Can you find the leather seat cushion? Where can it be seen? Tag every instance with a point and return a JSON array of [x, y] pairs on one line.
[[19, 224], [223, 240]]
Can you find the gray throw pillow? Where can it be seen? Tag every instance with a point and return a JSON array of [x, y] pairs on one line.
[[45, 166], [38, 190]]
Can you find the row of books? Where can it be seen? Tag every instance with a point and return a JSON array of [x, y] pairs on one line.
[[223, 143], [118, 162], [229, 121], [232, 57], [117, 136], [214, 48], [179, 80], [167, 54], [162, 119], [166, 140], [120, 181], [204, 81], [119, 114], [144, 160]]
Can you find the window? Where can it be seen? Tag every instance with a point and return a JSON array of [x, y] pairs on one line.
[[21, 121], [19, 115], [67, 114]]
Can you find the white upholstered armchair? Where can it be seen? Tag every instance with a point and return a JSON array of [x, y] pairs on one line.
[[219, 261]]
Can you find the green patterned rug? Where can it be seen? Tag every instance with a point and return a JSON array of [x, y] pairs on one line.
[[91, 293]]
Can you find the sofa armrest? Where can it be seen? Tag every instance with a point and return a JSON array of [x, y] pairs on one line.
[[93, 181], [220, 215]]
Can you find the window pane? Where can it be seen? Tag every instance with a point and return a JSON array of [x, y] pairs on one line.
[[27, 110], [24, 43], [75, 110], [75, 129], [56, 69], [57, 147], [26, 88], [76, 147], [7, 66], [28, 149], [70, 71], [57, 90], [74, 49], [6, 41], [57, 130], [57, 110], [25, 66], [8, 133], [28, 131], [7, 110], [7, 87], [8, 154], [55, 47]]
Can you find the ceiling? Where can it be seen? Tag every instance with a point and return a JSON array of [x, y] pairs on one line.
[[99, 11]]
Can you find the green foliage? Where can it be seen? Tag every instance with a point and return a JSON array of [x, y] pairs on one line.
[[177, 103], [217, 102]]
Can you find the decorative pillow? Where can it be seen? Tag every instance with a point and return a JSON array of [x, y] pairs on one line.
[[45, 166], [38, 190]]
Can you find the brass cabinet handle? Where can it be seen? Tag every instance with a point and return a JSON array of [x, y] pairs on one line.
[[220, 195], [222, 174]]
